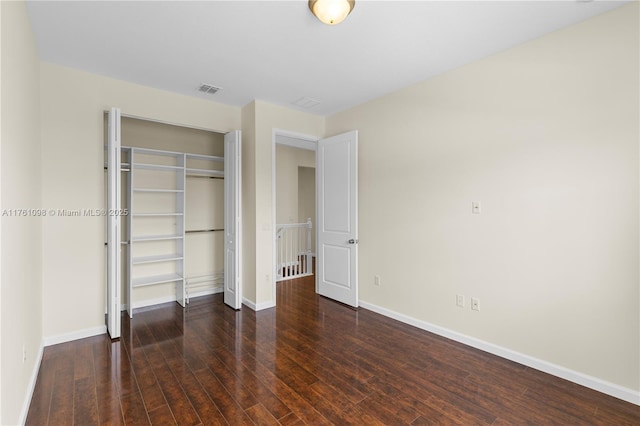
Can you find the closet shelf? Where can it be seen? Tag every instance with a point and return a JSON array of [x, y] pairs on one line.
[[159, 152], [204, 157], [155, 279], [156, 259], [158, 190], [158, 167], [156, 238], [204, 172]]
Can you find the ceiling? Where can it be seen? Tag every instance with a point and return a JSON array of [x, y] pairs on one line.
[[277, 51]]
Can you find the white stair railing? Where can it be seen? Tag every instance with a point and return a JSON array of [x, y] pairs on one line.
[[293, 250]]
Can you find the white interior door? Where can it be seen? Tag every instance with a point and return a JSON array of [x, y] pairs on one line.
[[337, 241], [114, 249], [232, 220]]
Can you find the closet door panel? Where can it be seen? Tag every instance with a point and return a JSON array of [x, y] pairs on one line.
[[114, 249], [233, 220]]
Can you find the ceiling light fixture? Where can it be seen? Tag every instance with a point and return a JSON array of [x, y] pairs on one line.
[[331, 12]]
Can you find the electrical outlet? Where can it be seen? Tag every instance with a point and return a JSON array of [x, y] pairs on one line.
[[460, 300], [475, 304], [376, 280]]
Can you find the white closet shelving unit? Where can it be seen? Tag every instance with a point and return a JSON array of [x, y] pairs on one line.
[[156, 222]]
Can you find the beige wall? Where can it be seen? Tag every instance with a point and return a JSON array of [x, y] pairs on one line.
[[155, 135], [545, 135], [21, 277], [1, 206], [73, 104], [288, 161], [259, 119], [248, 259], [307, 199], [267, 118]]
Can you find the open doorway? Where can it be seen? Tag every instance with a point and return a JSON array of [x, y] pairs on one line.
[[295, 212], [294, 206], [336, 231]]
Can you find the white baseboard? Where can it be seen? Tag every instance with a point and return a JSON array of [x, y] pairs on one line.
[[257, 307], [31, 386], [249, 303], [591, 382], [206, 292], [74, 335], [265, 305], [151, 302], [171, 298]]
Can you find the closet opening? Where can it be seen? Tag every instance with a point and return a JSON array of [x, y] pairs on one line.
[[172, 199]]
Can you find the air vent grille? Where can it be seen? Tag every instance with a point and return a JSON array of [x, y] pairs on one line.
[[306, 102], [208, 88]]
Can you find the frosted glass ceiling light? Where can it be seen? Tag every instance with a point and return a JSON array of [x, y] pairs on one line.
[[331, 12]]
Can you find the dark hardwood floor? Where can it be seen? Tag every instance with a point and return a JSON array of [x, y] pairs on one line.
[[309, 361]]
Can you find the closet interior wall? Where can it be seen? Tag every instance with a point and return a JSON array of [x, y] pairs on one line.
[[203, 213]]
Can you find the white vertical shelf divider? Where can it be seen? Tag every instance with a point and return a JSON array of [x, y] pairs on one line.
[[129, 247], [181, 181]]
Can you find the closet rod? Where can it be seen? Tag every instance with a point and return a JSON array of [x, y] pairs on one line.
[[202, 230], [204, 177], [189, 176], [122, 170]]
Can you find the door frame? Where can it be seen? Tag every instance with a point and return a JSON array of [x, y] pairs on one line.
[[296, 140]]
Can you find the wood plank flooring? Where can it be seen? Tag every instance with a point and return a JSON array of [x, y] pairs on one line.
[[309, 361]]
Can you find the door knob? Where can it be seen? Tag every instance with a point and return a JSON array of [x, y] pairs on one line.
[[352, 241]]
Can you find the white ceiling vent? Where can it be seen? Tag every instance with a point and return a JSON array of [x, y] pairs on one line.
[[208, 88], [305, 102]]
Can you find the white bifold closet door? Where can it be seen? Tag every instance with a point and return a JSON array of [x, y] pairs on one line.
[[232, 220], [114, 248]]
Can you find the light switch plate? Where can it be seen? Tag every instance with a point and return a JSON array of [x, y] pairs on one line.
[[476, 207]]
